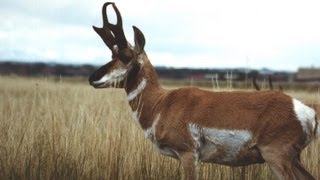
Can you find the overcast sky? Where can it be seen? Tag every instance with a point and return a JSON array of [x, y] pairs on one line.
[[277, 34]]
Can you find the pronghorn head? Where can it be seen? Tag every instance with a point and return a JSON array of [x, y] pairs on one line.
[[125, 57]]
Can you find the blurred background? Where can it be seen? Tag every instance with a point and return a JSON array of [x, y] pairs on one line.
[[198, 40]]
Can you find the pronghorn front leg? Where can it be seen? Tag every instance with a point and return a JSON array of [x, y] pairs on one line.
[[189, 163]]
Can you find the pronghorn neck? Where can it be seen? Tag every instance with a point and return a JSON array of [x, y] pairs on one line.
[[143, 90], [141, 76]]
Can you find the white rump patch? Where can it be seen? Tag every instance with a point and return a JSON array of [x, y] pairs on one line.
[[113, 76], [218, 144], [133, 94], [305, 115]]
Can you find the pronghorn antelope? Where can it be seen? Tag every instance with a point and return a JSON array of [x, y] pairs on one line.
[[189, 124]]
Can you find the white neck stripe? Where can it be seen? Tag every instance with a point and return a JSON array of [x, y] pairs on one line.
[[133, 94]]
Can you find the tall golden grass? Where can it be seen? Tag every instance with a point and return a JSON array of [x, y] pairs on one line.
[[62, 130]]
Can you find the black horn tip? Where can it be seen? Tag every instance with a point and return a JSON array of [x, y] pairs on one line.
[[104, 7], [136, 29], [96, 29], [108, 3]]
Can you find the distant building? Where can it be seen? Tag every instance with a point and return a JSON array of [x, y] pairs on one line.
[[308, 74]]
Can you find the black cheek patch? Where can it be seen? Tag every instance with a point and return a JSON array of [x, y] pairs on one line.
[[132, 75]]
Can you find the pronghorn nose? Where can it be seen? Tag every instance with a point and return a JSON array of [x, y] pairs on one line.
[[95, 80], [91, 79]]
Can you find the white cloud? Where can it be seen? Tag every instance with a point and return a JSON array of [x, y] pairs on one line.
[[195, 33]]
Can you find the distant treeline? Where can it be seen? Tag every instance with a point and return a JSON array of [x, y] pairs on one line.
[[51, 69], [44, 69]]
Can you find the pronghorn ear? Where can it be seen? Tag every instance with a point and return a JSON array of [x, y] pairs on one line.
[[139, 40]]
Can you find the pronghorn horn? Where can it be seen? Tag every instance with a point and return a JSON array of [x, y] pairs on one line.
[[116, 29], [105, 32]]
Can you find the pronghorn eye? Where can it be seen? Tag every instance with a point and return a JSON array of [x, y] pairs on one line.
[[126, 55]]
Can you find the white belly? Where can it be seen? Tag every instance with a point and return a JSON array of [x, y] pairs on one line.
[[219, 145]]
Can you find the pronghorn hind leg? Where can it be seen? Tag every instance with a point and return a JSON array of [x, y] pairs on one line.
[[280, 162], [300, 172], [189, 164]]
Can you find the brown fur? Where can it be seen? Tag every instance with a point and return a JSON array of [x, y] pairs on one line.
[[315, 107], [277, 136]]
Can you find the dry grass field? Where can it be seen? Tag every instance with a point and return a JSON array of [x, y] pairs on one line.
[[65, 130]]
